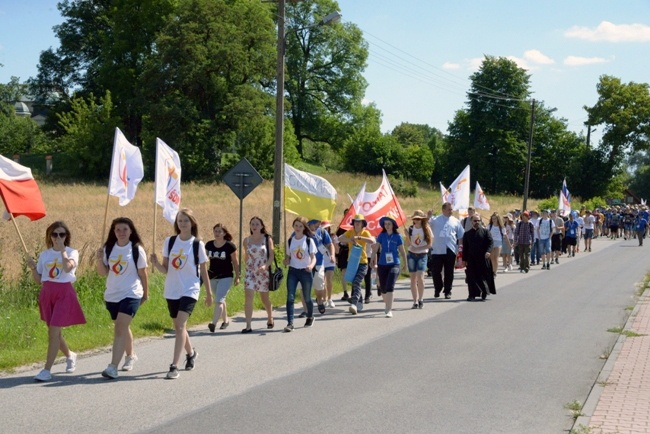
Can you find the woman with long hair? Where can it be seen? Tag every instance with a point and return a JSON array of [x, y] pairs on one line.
[[223, 265], [390, 247], [300, 257], [57, 301], [499, 239], [123, 261], [184, 263], [506, 250], [258, 251], [418, 240]]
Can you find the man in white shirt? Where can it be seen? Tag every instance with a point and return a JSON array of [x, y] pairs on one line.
[[447, 232], [589, 224], [534, 250]]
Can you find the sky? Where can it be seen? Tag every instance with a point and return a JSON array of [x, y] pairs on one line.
[[422, 52]]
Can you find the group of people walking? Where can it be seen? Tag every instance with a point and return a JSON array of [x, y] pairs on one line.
[[430, 244]]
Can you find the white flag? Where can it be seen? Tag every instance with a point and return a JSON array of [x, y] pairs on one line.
[[564, 205], [480, 201], [459, 191], [168, 180], [444, 194], [127, 169]]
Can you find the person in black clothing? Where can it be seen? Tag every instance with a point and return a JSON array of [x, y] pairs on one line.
[[223, 261], [477, 247], [342, 250]]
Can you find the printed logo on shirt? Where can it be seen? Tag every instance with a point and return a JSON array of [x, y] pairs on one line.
[[178, 261], [118, 266], [299, 252], [417, 240], [218, 255], [54, 269]]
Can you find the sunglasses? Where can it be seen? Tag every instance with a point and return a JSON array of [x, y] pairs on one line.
[[59, 235]]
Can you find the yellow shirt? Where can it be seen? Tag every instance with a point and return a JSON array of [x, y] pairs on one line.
[[364, 233]]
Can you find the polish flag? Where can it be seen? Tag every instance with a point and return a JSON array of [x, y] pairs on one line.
[[19, 191]]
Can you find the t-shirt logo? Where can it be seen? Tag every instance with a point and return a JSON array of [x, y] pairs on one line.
[[300, 253], [54, 269], [218, 255], [118, 266], [178, 261], [417, 240]]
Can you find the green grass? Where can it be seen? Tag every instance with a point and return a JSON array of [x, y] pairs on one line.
[[23, 336], [628, 333], [575, 407]]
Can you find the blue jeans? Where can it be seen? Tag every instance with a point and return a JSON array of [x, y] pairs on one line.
[[306, 279], [356, 284], [534, 250]]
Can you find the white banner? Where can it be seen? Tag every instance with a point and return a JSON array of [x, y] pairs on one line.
[[480, 201], [127, 169], [168, 180], [459, 191]]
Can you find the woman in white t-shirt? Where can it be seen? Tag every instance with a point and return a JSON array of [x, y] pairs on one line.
[[300, 256], [57, 301], [182, 284], [419, 240], [499, 238], [127, 287]]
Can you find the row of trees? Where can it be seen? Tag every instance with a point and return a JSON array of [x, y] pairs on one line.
[[200, 74]]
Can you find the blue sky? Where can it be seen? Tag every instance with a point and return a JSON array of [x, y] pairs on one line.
[[423, 51]]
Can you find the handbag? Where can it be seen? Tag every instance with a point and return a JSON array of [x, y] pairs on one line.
[[275, 277]]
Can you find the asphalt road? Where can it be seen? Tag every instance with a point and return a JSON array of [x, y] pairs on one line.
[[508, 365]]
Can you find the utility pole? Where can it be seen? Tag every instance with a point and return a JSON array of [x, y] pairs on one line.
[[530, 150], [278, 163]]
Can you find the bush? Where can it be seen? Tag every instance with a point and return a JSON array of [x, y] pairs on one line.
[[595, 202], [550, 203], [404, 188]]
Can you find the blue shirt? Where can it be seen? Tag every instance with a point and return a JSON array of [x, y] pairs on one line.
[[389, 244], [322, 238], [571, 228], [446, 233], [641, 224]]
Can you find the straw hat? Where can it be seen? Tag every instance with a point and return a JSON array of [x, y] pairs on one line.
[[390, 218], [419, 214]]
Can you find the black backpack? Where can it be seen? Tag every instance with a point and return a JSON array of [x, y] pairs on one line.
[[135, 252], [195, 251]]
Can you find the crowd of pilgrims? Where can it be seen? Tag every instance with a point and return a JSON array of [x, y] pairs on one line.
[[429, 245]]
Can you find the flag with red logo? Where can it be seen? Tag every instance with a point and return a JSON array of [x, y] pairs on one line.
[[168, 180], [375, 205], [19, 191], [459, 191], [480, 200], [127, 169]]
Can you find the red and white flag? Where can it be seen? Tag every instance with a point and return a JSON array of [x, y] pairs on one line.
[[19, 190], [375, 205], [168, 180], [480, 200], [127, 169]]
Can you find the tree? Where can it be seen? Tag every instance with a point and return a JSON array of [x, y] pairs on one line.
[[324, 67], [205, 82], [17, 134], [623, 110]]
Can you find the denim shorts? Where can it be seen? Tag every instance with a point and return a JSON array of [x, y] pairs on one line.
[[416, 262], [545, 246]]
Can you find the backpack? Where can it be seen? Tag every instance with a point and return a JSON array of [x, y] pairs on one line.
[[308, 243], [135, 252], [195, 251]]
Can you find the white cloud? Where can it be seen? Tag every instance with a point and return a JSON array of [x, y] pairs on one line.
[[581, 61], [537, 57], [610, 32], [475, 63], [450, 65]]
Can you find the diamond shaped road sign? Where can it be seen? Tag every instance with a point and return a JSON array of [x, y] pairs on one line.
[[242, 178]]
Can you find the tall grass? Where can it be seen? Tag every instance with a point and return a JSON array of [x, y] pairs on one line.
[[23, 337]]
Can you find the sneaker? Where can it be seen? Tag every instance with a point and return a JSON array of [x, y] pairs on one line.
[[190, 360], [129, 361], [510, 267], [44, 375], [557, 261], [303, 315], [110, 372], [309, 322], [353, 309], [211, 327], [359, 306], [321, 309], [420, 304], [345, 297], [548, 266], [71, 362], [544, 267], [288, 328], [330, 303], [367, 300], [415, 305], [447, 296], [173, 373], [389, 314]]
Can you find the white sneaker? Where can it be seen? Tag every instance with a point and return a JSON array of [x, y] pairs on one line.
[[360, 305], [353, 309], [510, 267], [44, 375], [330, 303], [389, 314], [129, 361], [110, 372], [71, 362]]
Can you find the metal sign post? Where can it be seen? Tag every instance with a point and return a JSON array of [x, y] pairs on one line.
[[242, 179]]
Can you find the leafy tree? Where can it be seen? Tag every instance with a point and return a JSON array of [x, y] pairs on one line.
[[17, 134], [90, 128], [623, 110], [324, 66]]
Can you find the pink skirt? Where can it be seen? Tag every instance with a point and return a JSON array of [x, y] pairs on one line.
[[59, 305]]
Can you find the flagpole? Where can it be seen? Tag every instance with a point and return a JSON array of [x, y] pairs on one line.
[[22, 241], [108, 195], [155, 199]]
